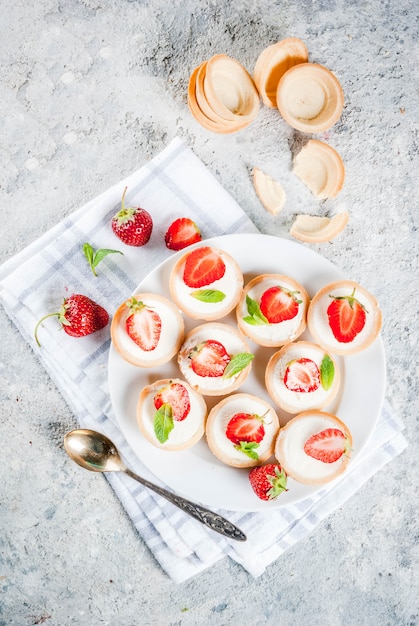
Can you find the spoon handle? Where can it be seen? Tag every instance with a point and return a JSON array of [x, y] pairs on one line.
[[209, 518]]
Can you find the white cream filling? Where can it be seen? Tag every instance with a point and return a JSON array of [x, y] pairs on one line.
[[229, 285], [184, 430], [231, 342], [283, 331], [168, 336], [293, 438], [320, 319], [299, 399], [242, 405]]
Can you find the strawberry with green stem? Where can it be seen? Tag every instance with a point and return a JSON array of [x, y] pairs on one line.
[[173, 404], [143, 325], [246, 431], [268, 481], [131, 225], [79, 316], [347, 317], [277, 304], [210, 358]]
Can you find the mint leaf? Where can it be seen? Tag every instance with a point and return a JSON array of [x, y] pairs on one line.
[[255, 317], [327, 372], [237, 364], [248, 448], [95, 257], [163, 422], [208, 295]]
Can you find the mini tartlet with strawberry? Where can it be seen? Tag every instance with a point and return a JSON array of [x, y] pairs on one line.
[[215, 359], [314, 447], [147, 330], [344, 318], [171, 415], [302, 376], [206, 283], [272, 310], [241, 430]]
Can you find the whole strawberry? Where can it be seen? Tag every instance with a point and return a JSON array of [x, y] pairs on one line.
[[133, 226], [79, 316], [268, 481]]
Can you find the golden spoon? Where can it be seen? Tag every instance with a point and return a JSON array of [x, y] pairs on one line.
[[95, 452]]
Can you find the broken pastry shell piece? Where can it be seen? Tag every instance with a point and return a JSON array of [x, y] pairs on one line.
[[269, 191], [272, 64], [230, 90], [315, 229], [321, 168], [216, 125], [310, 98]]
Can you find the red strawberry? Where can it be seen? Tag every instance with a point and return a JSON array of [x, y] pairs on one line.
[[327, 445], [209, 358], [346, 317], [181, 233], [177, 396], [79, 316], [268, 481], [279, 304], [132, 226], [203, 266], [302, 375], [143, 325], [245, 427]]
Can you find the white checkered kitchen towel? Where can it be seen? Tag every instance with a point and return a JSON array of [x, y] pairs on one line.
[[33, 282]]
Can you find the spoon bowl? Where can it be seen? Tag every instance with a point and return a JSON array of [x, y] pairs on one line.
[[95, 452]]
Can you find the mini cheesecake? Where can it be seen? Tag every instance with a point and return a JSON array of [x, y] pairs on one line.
[[272, 310], [314, 447], [171, 415], [241, 430], [214, 359], [302, 376], [147, 330], [206, 283], [344, 318]]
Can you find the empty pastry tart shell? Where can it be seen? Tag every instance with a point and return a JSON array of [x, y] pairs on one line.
[[310, 98], [287, 464], [272, 64], [222, 95]]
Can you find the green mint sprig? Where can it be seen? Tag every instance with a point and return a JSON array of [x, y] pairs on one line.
[[94, 257]]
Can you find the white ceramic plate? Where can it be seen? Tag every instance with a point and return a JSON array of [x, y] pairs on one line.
[[195, 473]]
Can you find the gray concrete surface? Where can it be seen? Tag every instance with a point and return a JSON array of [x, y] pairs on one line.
[[90, 90]]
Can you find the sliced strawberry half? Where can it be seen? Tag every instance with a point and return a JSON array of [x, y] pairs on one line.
[[209, 358], [278, 304], [245, 427], [143, 325], [326, 446], [177, 396], [203, 266], [302, 375], [181, 233], [347, 317]]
